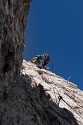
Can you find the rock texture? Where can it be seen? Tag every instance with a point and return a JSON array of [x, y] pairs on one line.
[[47, 87], [29, 95], [13, 16]]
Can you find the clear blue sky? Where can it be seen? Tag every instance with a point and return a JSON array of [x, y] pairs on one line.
[[56, 27]]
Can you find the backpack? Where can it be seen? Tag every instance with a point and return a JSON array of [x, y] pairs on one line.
[[39, 58]]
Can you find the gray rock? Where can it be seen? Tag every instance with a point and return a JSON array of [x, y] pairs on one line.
[[29, 95]]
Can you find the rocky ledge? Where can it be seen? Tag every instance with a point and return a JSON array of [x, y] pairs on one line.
[[29, 95]]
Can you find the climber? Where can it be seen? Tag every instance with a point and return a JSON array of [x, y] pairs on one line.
[[41, 60]]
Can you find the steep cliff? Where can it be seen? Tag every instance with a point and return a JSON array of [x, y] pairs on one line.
[[29, 95], [56, 100], [13, 17]]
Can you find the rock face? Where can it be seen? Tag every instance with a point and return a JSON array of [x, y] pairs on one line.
[[13, 16], [29, 95], [56, 100]]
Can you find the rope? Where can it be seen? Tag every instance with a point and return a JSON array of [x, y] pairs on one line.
[[52, 64], [61, 98]]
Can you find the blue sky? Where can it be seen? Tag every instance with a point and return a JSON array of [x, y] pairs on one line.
[[56, 27]]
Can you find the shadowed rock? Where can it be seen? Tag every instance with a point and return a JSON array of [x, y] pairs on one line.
[[29, 95]]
